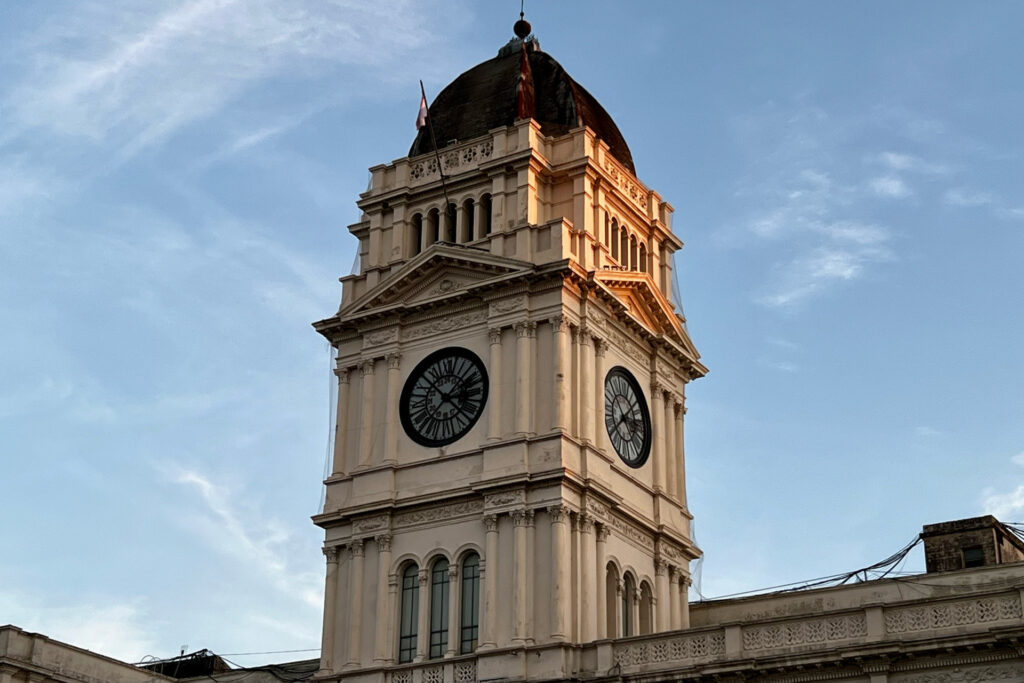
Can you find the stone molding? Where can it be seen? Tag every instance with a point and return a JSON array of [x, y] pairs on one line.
[[445, 324], [437, 513]]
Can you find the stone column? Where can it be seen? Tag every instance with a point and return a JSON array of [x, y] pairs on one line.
[[664, 595], [671, 461], [616, 610], [684, 601], [519, 563], [658, 436], [673, 581], [561, 581], [573, 415], [453, 610], [600, 347], [588, 604], [478, 220], [635, 609], [587, 386], [330, 610], [366, 421], [488, 639], [391, 617], [601, 536], [559, 345], [428, 227], [680, 455], [494, 410], [423, 624], [355, 601], [461, 225], [525, 331], [382, 646], [392, 423], [339, 466]]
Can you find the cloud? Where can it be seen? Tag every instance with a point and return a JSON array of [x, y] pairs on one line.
[[897, 161], [889, 186], [959, 196], [263, 544], [927, 432], [809, 274], [110, 625], [133, 79], [1008, 506]]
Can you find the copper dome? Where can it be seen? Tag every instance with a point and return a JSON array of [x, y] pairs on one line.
[[486, 97]]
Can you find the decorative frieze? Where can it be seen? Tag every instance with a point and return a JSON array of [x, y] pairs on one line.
[[388, 334], [999, 672], [367, 525], [952, 614], [438, 513], [509, 305], [446, 324], [624, 181], [503, 498], [465, 672], [804, 632], [633, 533]]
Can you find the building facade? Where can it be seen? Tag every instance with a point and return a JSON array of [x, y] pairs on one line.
[[508, 465]]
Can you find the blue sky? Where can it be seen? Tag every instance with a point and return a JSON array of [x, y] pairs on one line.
[[175, 182]]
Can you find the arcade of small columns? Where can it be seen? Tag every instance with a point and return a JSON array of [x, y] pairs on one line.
[[589, 352], [668, 607]]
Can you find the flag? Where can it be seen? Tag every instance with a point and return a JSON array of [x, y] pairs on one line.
[[524, 90], [421, 118]]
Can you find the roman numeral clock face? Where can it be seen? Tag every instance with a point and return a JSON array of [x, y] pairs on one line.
[[626, 417], [443, 397]]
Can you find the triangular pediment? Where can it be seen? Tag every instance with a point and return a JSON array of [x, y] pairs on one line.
[[441, 271], [636, 295]]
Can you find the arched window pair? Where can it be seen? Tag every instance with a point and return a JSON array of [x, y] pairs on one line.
[[438, 604], [634, 609]]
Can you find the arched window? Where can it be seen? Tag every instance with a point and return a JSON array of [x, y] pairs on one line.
[[643, 259], [416, 234], [611, 594], [624, 247], [485, 211], [410, 614], [628, 600], [646, 609], [632, 252], [615, 239], [438, 608], [469, 214], [469, 624]]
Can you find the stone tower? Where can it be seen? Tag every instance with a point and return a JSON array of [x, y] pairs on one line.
[[508, 477]]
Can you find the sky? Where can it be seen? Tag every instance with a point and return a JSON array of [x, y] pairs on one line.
[[176, 179]]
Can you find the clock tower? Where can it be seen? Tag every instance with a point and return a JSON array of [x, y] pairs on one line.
[[508, 478]]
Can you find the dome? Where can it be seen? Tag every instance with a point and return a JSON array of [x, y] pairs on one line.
[[486, 97]]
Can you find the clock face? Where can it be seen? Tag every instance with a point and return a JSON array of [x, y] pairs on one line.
[[626, 417], [443, 397]]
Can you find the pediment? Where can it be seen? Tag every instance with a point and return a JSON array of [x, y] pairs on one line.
[[637, 296], [441, 271]]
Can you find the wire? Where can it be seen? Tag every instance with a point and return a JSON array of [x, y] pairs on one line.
[[269, 652], [889, 565]]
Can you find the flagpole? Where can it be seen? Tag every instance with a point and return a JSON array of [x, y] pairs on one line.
[[437, 155]]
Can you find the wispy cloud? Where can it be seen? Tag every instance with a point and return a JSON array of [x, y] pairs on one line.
[[1007, 506], [111, 626], [889, 186], [898, 161], [959, 196], [134, 79], [264, 544]]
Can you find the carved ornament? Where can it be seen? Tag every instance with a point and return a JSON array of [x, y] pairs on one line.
[[508, 305], [370, 524], [445, 324], [501, 498], [440, 512], [381, 336]]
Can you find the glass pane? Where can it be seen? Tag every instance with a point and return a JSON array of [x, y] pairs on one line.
[[439, 609], [410, 614], [470, 622]]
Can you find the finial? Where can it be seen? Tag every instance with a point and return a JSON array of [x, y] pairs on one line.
[[522, 27]]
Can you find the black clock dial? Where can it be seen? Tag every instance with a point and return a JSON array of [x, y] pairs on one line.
[[626, 417], [443, 397]]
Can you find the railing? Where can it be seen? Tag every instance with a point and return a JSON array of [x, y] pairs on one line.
[[872, 624], [443, 671]]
